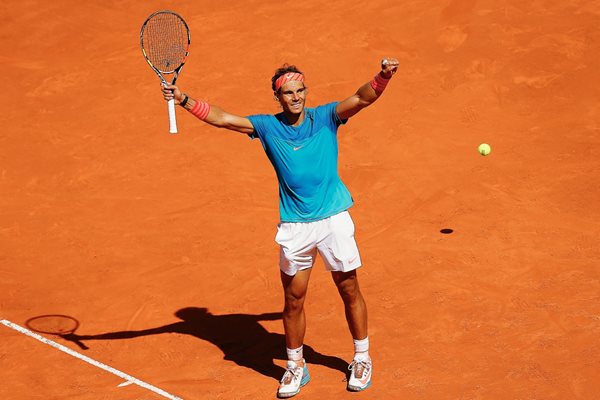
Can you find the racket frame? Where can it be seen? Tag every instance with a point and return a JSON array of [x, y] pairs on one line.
[[175, 72]]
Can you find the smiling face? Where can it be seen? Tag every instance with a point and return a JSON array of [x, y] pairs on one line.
[[292, 96]]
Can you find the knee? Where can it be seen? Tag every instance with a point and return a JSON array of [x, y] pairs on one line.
[[293, 304], [349, 291]]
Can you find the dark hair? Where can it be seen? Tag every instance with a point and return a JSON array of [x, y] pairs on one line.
[[284, 69]]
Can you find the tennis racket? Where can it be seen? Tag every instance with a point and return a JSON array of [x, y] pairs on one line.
[[165, 41]]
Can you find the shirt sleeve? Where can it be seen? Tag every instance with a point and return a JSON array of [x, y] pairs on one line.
[[328, 113], [336, 117], [258, 121]]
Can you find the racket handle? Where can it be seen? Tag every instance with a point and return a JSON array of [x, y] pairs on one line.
[[172, 118]]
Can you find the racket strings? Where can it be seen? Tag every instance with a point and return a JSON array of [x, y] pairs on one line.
[[166, 41]]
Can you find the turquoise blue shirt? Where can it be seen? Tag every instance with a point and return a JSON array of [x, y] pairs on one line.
[[305, 158]]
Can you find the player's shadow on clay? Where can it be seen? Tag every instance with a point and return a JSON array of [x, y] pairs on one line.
[[241, 338]]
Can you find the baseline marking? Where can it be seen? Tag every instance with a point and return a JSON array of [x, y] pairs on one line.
[[128, 378]]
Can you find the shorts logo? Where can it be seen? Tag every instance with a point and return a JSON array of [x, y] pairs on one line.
[[297, 148]]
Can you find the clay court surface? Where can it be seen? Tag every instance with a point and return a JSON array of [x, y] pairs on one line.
[[162, 246]]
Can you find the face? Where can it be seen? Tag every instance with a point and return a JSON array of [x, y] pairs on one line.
[[292, 96]]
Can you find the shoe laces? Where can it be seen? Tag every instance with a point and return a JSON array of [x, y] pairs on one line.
[[359, 367], [290, 374]]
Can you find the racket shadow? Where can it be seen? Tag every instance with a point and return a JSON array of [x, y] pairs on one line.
[[241, 338], [63, 326]]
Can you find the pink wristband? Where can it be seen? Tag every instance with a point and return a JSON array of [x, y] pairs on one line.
[[379, 83], [200, 109]]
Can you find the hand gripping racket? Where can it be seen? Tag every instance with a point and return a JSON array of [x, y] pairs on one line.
[[165, 41]]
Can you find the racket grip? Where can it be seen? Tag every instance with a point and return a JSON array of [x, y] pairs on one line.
[[172, 118]]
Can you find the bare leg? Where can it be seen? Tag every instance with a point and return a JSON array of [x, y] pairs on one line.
[[294, 321], [354, 303]]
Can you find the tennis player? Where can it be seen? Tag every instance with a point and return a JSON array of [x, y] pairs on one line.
[[301, 143]]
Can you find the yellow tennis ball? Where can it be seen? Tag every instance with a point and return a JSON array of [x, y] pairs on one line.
[[484, 149]]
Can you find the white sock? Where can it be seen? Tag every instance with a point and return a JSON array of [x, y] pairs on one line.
[[295, 354], [361, 349]]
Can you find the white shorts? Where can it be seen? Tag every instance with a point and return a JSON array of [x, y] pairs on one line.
[[332, 237]]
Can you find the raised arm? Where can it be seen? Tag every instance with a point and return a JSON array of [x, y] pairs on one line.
[[210, 114], [369, 92]]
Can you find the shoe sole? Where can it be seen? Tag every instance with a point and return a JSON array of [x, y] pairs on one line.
[[359, 388], [303, 382]]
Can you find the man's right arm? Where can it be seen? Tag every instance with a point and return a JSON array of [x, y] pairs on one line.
[[214, 115]]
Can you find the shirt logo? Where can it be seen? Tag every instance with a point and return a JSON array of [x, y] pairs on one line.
[[298, 148]]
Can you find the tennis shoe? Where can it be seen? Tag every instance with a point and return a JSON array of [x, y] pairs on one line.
[[360, 376], [293, 379]]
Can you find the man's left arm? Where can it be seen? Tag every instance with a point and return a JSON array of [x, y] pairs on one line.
[[369, 92]]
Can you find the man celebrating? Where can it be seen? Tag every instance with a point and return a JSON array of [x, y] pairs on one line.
[[301, 144]]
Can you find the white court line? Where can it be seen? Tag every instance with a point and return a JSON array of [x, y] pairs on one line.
[[129, 379]]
